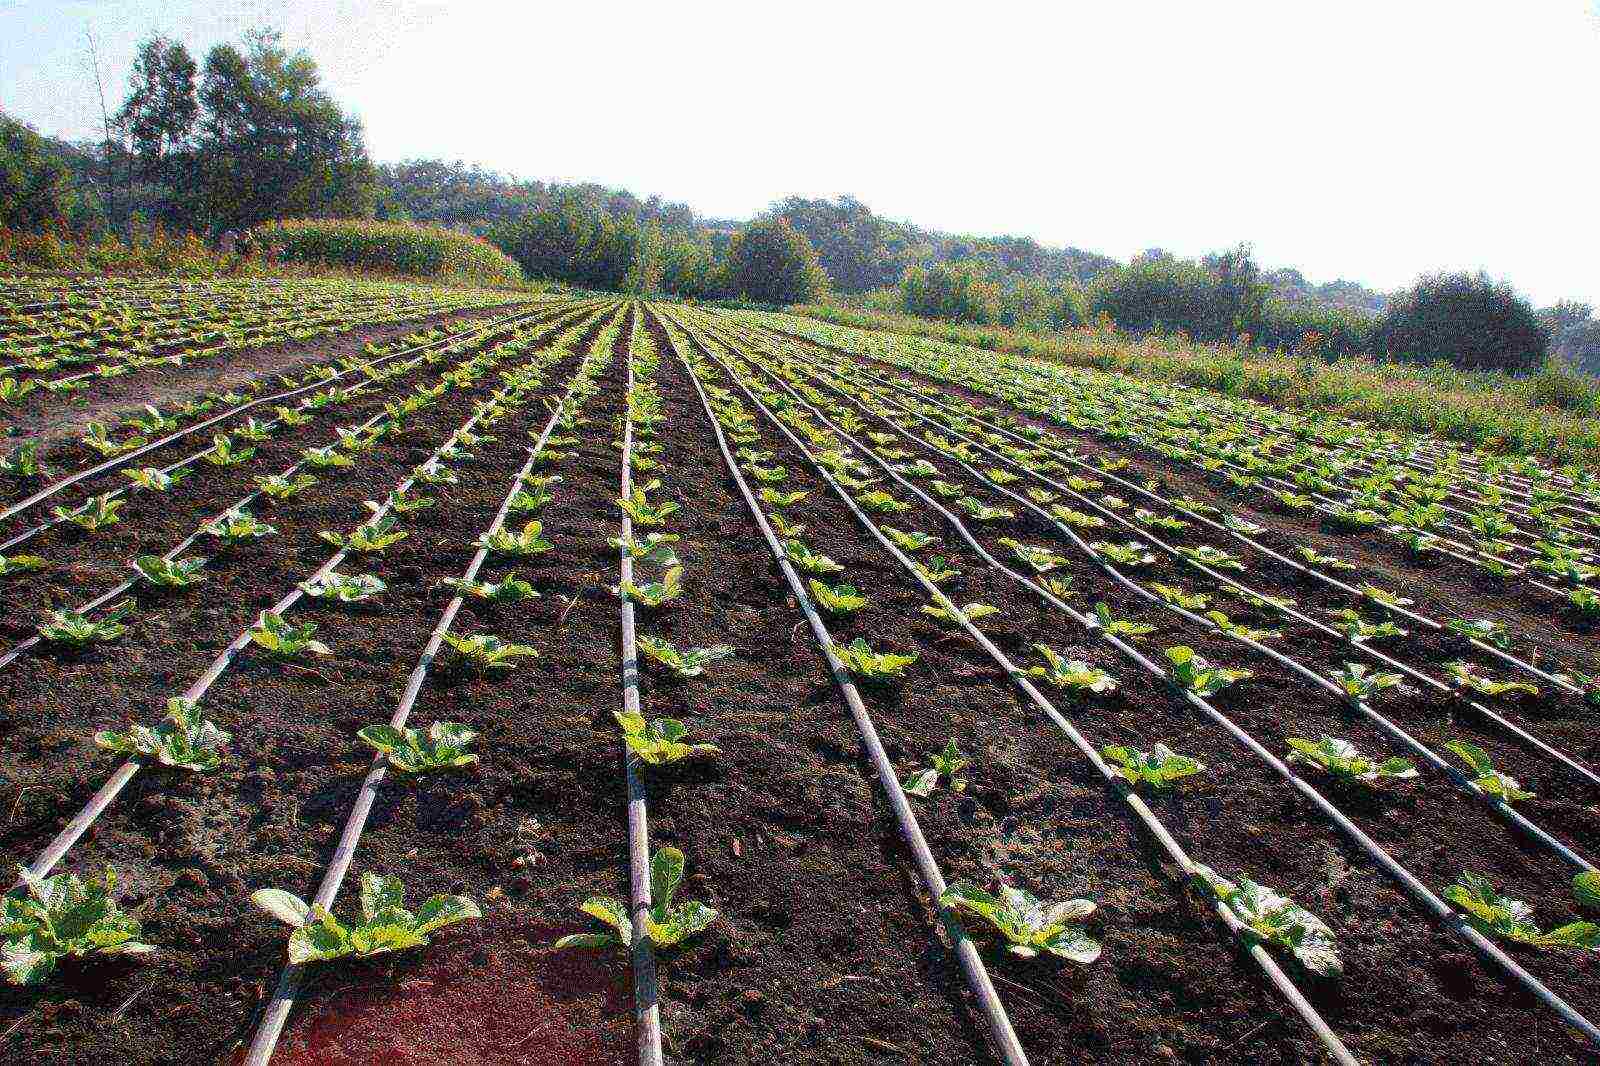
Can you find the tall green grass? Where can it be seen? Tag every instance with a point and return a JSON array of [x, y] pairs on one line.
[[1550, 414]]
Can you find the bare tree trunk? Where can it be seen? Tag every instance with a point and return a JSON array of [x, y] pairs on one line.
[[105, 124]]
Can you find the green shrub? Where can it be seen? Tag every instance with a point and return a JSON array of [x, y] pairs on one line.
[[395, 247], [954, 291], [1466, 320], [771, 262]]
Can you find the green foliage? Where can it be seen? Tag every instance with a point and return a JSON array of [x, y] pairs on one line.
[[770, 262], [666, 923], [344, 588], [442, 747], [1072, 675], [177, 574], [1340, 758], [1196, 675], [1159, 767], [658, 742], [50, 918], [186, 739], [1028, 924], [688, 662], [385, 924], [390, 247], [958, 292], [859, 659], [487, 653], [18, 564], [1485, 776], [836, 599], [283, 639], [1495, 915], [1276, 919], [74, 629], [36, 190], [946, 765], [1466, 320]]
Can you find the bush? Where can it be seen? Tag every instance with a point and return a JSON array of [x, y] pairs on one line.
[[957, 292], [1466, 320], [1164, 294], [581, 245], [770, 262], [35, 187], [1315, 330], [393, 247]]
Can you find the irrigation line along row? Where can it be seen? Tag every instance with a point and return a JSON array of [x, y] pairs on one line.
[[102, 799], [443, 344], [1119, 785], [510, 321], [1421, 894], [20, 649], [646, 989], [278, 1008], [1359, 647], [977, 976], [1395, 732]]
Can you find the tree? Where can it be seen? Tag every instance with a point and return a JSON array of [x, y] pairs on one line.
[[35, 187], [770, 262], [273, 144], [159, 113], [1467, 320], [955, 291]]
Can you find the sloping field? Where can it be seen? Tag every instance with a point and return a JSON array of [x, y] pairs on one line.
[[1244, 731]]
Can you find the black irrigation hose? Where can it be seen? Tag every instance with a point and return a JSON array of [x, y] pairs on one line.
[[108, 792], [510, 321], [1360, 647], [646, 990], [978, 980], [1420, 893], [18, 650], [278, 1008]]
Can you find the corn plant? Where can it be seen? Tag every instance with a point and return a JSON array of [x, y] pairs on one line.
[[185, 739], [344, 588], [1120, 627], [367, 538], [237, 527], [1028, 924], [1485, 776], [1159, 767], [280, 487], [666, 923], [1196, 675], [48, 919], [836, 599], [509, 589], [1467, 679], [283, 639], [970, 613], [18, 564], [73, 629], [97, 513], [525, 544], [487, 653], [946, 766], [1362, 683], [1276, 919], [860, 660], [1494, 915], [653, 593], [385, 924], [1339, 758], [1071, 675], [659, 742], [152, 479], [687, 662], [442, 747], [174, 574]]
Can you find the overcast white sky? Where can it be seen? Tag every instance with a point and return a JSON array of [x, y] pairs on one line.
[[1367, 140]]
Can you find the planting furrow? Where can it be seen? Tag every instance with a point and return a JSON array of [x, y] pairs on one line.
[[1413, 886]]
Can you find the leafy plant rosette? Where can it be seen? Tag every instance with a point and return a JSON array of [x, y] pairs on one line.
[[665, 924], [186, 739], [1495, 915], [442, 747], [1159, 767], [50, 918], [1275, 919], [1028, 924], [385, 925]]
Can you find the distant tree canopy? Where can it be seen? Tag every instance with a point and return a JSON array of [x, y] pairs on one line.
[[572, 242], [36, 189], [770, 261], [956, 291], [1574, 334], [1468, 320]]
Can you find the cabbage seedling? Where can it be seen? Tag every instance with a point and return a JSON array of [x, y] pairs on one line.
[[76, 630], [344, 588], [1077, 519], [1244, 632], [1468, 679], [368, 537], [1340, 758], [1361, 683], [1198, 676], [837, 599], [1131, 554], [937, 570], [1028, 924], [1120, 627], [907, 542], [17, 564], [50, 918], [809, 561], [642, 511], [485, 652], [1485, 629], [1276, 919], [529, 542], [22, 462], [279, 487], [1039, 560], [665, 923], [97, 513], [658, 742], [970, 613], [236, 527], [1072, 675], [1495, 915], [153, 479], [690, 662], [509, 589], [776, 498], [186, 739], [859, 659], [880, 502], [979, 511], [1177, 597], [442, 747], [1485, 776], [284, 640], [946, 765], [385, 924], [654, 593], [1357, 630], [176, 574], [1160, 767]]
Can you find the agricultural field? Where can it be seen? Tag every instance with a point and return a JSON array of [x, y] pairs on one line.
[[421, 675]]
